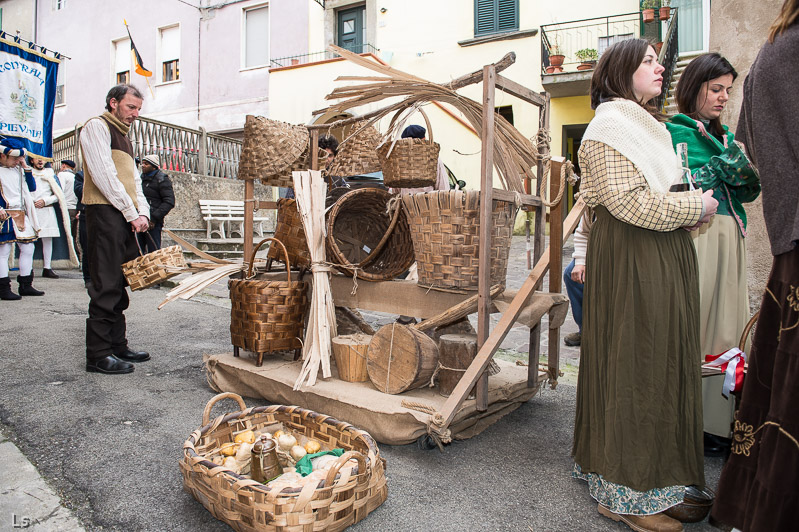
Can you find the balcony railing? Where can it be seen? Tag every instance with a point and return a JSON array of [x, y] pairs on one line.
[[179, 148], [593, 34], [315, 57]]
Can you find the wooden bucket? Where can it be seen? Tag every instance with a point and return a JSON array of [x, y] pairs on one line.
[[350, 354], [456, 353], [401, 358]]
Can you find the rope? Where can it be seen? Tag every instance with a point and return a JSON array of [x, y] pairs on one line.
[[542, 141], [419, 407]]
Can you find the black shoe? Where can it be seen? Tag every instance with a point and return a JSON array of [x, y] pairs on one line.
[[26, 286], [5, 290], [110, 365], [574, 339], [87, 284], [50, 274], [133, 356], [716, 446]]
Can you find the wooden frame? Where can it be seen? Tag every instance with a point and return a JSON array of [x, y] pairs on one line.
[[544, 259]]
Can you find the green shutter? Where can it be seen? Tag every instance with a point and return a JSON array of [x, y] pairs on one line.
[[508, 15], [493, 16]]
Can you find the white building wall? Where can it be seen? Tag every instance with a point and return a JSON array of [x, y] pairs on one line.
[[18, 16], [214, 90]]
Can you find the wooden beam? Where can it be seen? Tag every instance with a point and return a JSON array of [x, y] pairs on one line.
[[486, 219], [486, 352], [265, 205], [249, 198], [509, 195], [520, 91], [477, 76], [555, 263], [456, 312]]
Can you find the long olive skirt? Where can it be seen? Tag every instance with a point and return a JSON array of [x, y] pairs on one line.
[[639, 402]]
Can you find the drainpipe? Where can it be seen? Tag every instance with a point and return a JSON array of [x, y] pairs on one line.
[[35, 20]]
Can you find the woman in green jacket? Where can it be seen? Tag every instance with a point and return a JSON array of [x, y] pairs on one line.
[[717, 162]]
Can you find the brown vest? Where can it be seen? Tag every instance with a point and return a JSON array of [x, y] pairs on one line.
[[122, 155]]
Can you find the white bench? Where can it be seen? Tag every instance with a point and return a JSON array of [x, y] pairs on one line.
[[226, 217]]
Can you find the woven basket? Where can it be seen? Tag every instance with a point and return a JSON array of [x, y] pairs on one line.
[[357, 153], [248, 506], [284, 177], [267, 315], [409, 163], [445, 228], [150, 269], [290, 232], [269, 148], [362, 238]]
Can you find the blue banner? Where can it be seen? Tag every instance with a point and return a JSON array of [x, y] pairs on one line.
[[27, 96]]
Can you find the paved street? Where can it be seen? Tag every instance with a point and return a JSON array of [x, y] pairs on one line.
[[109, 446]]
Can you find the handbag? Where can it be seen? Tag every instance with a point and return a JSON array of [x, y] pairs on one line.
[[18, 217]]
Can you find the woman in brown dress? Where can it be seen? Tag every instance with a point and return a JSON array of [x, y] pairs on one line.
[[638, 426]]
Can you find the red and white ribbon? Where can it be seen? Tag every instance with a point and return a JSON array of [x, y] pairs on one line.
[[732, 364]]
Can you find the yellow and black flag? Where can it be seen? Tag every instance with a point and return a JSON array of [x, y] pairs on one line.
[[136, 57]]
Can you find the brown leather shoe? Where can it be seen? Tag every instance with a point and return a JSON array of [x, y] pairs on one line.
[[643, 523]]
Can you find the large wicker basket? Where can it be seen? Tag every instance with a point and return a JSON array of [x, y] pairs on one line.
[[291, 234], [267, 315], [248, 506], [154, 267], [445, 228], [364, 240], [357, 154], [270, 148], [409, 163]]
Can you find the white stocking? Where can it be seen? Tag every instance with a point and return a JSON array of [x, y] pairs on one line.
[[47, 251], [25, 258], [5, 253]]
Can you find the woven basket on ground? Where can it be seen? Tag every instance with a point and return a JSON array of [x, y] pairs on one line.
[[357, 153], [409, 163], [267, 315], [360, 234], [150, 269], [445, 228], [337, 502], [270, 147], [290, 233]]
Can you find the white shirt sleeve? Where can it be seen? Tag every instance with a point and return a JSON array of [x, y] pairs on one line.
[[580, 243], [95, 141]]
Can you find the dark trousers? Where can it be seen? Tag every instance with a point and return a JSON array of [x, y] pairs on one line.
[[73, 226], [147, 245], [84, 247], [575, 292], [110, 243]]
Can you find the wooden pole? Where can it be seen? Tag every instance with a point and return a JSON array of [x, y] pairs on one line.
[[555, 264], [486, 209], [249, 207], [487, 350]]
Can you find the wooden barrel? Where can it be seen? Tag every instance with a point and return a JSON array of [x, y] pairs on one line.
[[456, 353], [400, 358], [350, 354]]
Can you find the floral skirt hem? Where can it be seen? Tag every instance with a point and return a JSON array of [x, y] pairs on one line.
[[623, 500]]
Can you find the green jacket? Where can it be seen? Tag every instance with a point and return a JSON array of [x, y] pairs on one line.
[[727, 171]]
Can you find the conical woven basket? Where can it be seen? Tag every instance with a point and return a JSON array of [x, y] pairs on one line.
[[270, 147], [346, 496], [291, 233], [357, 154], [445, 229]]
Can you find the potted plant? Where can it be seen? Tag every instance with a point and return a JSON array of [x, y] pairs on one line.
[[587, 57], [665, 10], [556, 57], [648, 10]]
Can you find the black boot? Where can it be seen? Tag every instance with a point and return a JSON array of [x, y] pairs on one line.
[[26, 286], [49, 273], [5, 290]]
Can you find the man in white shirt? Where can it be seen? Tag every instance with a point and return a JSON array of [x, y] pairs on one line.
[[116, 209], [67, 178]]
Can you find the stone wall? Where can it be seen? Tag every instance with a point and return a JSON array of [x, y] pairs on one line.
[[190, 188], [738, 29]]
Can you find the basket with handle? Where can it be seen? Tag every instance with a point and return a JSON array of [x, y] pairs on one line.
[[357, 153], [267, 315], [445, 229], [409, 163], [152, 268], [346, 495], [364, 240], [290, 232], [270, 149]]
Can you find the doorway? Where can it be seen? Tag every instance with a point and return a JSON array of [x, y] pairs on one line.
[[572, 137], [693, 20], [350, 34]]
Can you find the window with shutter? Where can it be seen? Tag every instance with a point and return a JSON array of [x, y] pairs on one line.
[[495, 16]]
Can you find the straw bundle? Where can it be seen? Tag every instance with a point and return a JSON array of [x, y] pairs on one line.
[[310, 190], [514, 154]]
